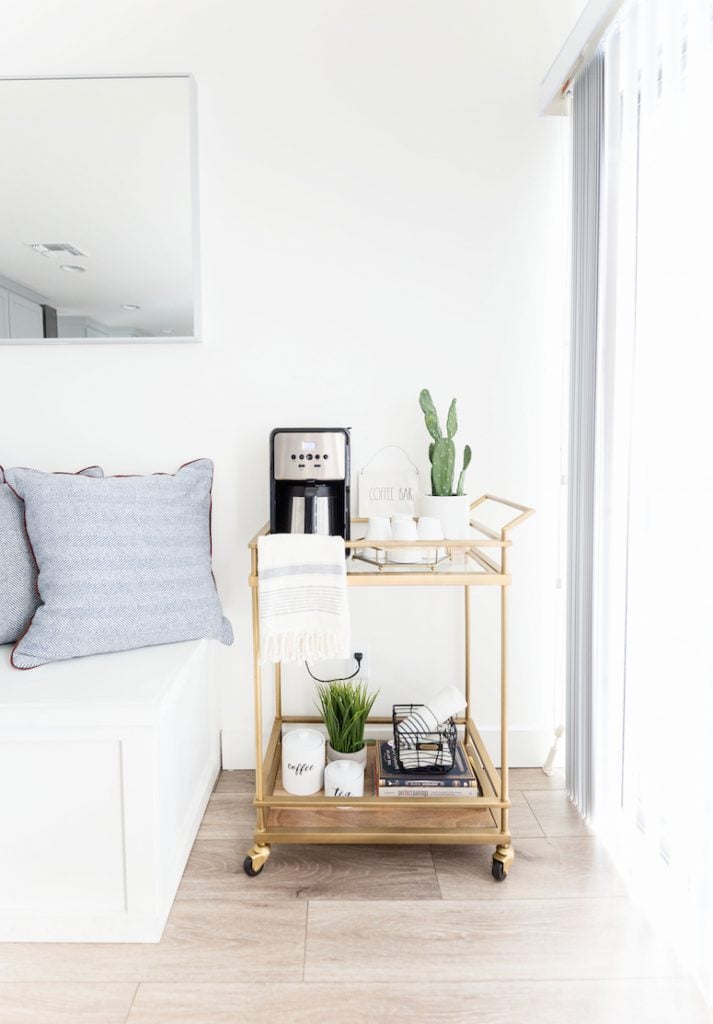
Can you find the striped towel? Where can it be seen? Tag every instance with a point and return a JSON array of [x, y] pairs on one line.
[[302, 592]]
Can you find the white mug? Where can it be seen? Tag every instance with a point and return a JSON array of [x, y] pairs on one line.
[[429, 528], [378, 528], [303, 757], [344, 778], [404, 528]]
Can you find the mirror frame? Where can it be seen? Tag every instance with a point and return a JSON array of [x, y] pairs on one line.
[[197, 336]]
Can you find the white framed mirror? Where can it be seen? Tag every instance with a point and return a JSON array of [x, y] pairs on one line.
[[98, 210]]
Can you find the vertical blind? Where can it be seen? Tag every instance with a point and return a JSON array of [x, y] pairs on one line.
[[652, 643], [587, 135]]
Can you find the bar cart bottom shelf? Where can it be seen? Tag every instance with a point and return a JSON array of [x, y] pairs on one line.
[[399, 820]]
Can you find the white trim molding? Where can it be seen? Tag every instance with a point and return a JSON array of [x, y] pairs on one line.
[[581, 43]]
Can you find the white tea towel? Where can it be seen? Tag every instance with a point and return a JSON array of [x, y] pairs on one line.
[[302, 592]]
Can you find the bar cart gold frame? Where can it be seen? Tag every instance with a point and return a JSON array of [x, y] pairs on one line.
[[320, 819]]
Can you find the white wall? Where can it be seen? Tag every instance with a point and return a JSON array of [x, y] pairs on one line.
[[381, 210]]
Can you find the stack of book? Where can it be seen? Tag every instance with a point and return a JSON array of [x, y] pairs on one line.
[[390, 781]]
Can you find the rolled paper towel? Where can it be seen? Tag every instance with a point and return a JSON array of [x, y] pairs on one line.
[[446, 703], [442, 706], [426, 719], [418, 722]]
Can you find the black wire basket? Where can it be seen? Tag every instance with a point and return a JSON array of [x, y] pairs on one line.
[[418, 748]]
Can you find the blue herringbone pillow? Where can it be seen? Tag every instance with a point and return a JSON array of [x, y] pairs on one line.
[[18, 573], [123, 562]]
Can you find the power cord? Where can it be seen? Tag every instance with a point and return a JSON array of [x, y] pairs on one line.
[[358, 655]]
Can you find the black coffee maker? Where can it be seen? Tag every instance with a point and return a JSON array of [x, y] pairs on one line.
[[309, 480]]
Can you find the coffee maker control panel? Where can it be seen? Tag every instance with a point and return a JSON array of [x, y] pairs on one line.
[[309, 456]]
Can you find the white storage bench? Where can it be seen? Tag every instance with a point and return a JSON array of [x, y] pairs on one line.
[[106, 767]]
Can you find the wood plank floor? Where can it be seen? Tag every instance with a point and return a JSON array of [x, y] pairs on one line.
[[416, 932]]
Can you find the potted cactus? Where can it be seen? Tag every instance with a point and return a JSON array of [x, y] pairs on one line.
[[450, 505]]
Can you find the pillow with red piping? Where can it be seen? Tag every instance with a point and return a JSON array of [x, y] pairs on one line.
[[19, 599], [124, 562]]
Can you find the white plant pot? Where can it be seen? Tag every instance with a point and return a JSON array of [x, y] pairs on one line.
[[334, 755], [453, 512]]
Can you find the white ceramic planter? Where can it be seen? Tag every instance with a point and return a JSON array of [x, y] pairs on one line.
[[453, 512], [335, 755]]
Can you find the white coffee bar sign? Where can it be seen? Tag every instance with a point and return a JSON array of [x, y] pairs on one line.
[[391, 487]]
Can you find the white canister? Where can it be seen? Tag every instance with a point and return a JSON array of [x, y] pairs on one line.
[[344, 778], [404, 528], [303, 761], [378, 528]]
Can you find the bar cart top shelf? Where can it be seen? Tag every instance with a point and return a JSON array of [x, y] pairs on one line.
[[471, 561]]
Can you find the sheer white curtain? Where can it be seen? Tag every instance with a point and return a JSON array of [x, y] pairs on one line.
[[653, 649]]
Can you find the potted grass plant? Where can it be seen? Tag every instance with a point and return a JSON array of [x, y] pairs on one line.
[[345, 707]]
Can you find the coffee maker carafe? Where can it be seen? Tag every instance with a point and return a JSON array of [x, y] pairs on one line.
[[309, 481]]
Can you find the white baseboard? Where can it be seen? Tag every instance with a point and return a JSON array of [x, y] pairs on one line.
[[528, 748], [184, 844], [238, 748]]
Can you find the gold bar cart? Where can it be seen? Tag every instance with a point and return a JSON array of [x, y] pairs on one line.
[[482, 819]]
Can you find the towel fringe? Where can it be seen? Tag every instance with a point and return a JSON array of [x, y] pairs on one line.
[[300, 647]]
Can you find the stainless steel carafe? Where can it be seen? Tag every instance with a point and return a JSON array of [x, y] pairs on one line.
[[312, 511]]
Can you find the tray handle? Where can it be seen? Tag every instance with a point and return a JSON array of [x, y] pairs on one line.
[[523, 513]]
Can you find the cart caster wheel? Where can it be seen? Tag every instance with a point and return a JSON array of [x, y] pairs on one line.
[[248, 868], [256, 860], [499, 872], [502, 862]]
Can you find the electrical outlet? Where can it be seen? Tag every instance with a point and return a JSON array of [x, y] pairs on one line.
[[365, 667]]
